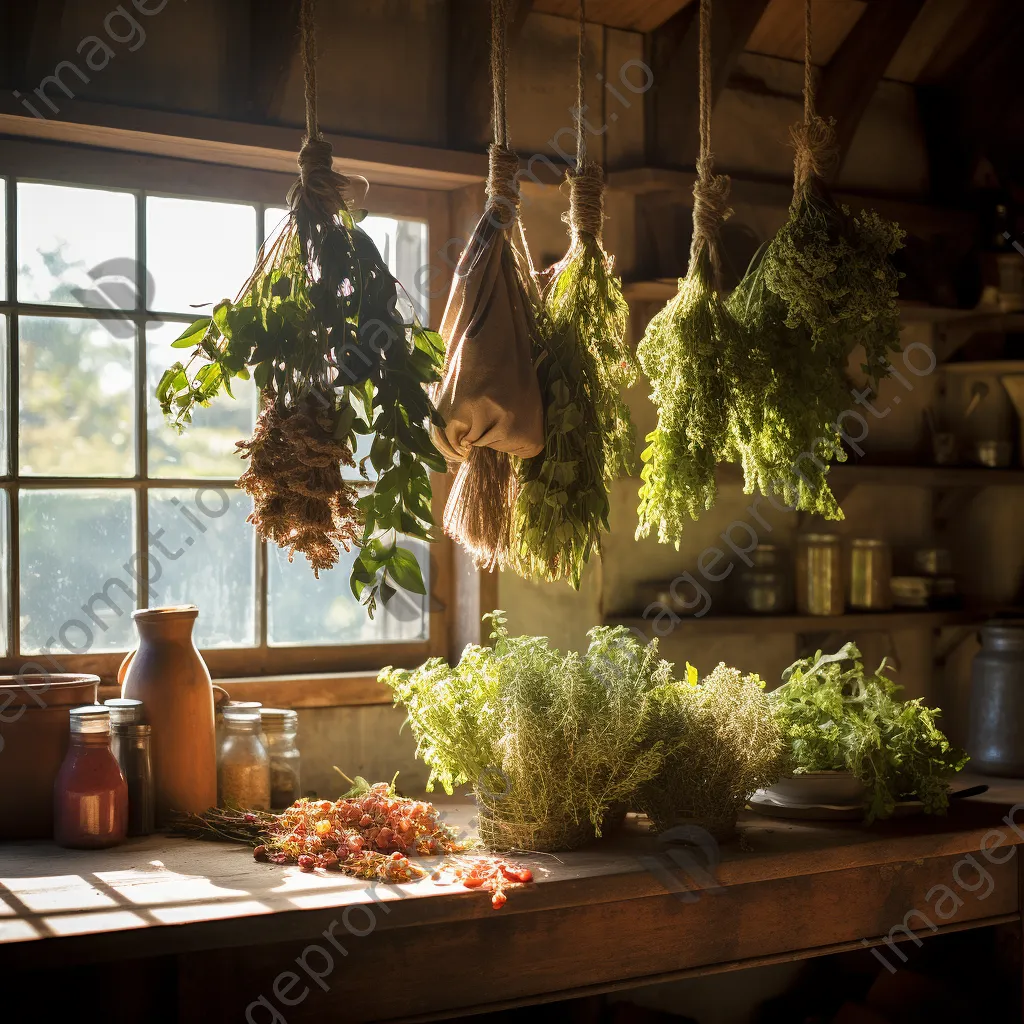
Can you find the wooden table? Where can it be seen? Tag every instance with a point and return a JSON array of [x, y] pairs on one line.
[[233, 937]]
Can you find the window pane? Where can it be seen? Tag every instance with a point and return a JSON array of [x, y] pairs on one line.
[[77, 583], [3, 238], [203, 553], [4, 573], [305, 610], [197, 252], [77, 399], [403, 246], [5, 402], [207, 447], [76, 246]]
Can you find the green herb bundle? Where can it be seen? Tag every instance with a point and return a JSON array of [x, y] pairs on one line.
[[724, 745], [549, 741], [336, 352], [685, 353], [562, 500], [582, 293], [837, 717], [690, 352], [824, 284]]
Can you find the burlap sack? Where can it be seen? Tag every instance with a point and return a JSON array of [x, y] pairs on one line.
[[489, 396]]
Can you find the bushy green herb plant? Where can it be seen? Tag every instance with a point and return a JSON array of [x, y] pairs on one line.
[[549, 741], [723, 744], [835, 716]]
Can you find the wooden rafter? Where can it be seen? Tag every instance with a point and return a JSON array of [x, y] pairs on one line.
[[851, 77], [672, 51], [635, 15], [273, 48], [25, 28], [469, 68]]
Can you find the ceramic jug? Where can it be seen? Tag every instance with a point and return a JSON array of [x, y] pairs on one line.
[[169, 676]]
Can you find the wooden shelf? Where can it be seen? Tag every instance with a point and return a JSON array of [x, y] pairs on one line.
[[852, 622], [664, 288], [848, 475]]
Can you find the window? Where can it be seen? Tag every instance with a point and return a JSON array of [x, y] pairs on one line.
[[103, 508]]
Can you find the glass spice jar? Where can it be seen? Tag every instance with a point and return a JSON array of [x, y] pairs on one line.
[[131, 744], [90, 795], [280, 728], [243, 765]]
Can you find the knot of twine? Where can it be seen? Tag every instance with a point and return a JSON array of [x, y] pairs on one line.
[[502, 187], [586, 200], [815, 143], [319, 185], [710, 203]]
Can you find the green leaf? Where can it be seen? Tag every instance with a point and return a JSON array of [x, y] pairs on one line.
[[404, 570], [193, 334]]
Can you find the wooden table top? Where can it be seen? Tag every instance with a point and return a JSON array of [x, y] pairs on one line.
[[157, 895]]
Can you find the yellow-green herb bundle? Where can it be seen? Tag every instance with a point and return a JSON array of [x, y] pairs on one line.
[[824, 284], [689, 353]]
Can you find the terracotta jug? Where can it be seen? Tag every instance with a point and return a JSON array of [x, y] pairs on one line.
[[171, 679]]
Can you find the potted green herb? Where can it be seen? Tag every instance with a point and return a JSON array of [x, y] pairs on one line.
[[722, 744], [839, 719], [550, 742]]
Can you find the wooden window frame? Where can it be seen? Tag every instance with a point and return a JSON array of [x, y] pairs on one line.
[[301, 676]]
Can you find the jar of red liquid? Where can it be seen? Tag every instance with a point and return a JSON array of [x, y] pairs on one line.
[[90, 795]]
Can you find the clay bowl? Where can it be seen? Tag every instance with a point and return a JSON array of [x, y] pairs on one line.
[[34, 731]]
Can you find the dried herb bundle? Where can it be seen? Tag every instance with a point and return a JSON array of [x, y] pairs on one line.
[[335, 349], [294, 477], [729, 745], [689, 353], [824, 284], [549, 741]]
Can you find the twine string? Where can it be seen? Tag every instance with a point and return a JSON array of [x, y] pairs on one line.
[[503, 165], [586, 182], [814, 139], [319, 185], [710, 190]]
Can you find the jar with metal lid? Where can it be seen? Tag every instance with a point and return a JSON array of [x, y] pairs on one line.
[[131, 744], [243, 765], [280, 728], [764, 587], [996, 730], [90, 795], [870, 574], [819, 574]]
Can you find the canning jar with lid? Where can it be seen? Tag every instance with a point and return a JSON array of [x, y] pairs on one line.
[[280, 729]]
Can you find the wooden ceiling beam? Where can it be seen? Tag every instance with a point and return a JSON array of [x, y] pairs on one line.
[[273, 47], [27, 27], [469, 68], [671, 112], [631, 15], [851, 77]]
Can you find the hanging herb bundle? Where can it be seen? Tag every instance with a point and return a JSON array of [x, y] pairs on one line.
[[549, 741], [824, 284], [583, 294], [582, 361], [489, 396], [690, 352], [336, 352]]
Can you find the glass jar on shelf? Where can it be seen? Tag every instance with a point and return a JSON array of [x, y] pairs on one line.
[[280, 728], [243, 764], [90, 795]]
